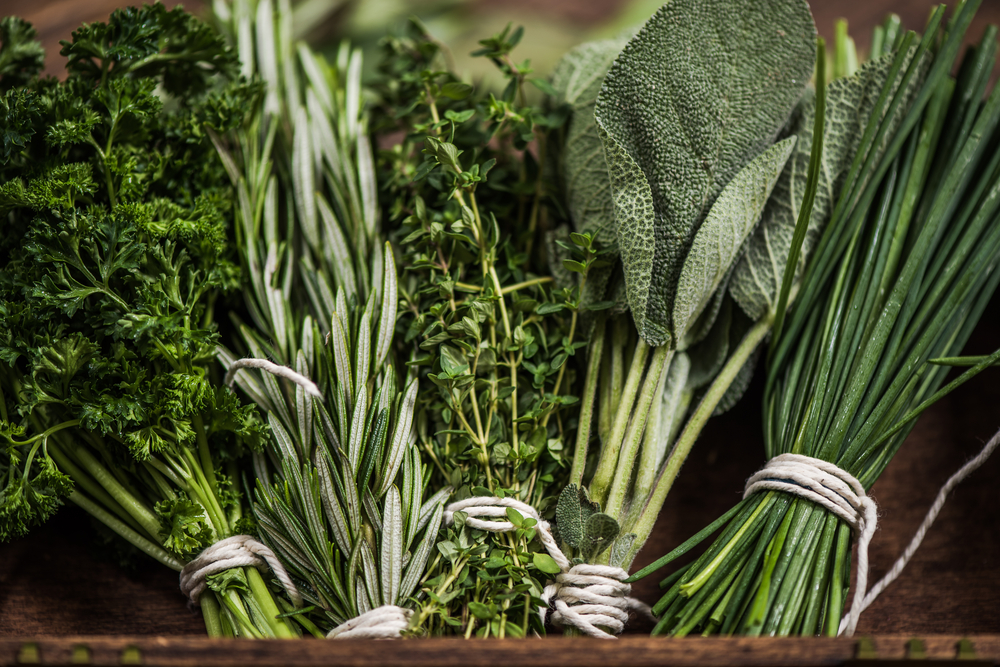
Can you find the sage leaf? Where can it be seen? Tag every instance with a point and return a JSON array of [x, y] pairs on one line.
[[720, 237], [568, 519], [599, 533], [709, 356], [573, 511], [679, 122], [621, 548], [577, 80], [741, 324], [756, 281]]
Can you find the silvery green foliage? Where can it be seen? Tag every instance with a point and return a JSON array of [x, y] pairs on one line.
[[346, 511], [849, 103], [702, 89], [666, 418], [340, 493], [720, 238], [582, 527], [578, 78]]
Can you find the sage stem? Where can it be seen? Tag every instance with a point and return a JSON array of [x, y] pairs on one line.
[[610, 449], [651, 509]]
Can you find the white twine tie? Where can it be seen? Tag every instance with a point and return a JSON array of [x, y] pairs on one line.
[[833, 488], [838, 491], [385, 622], [587, 597], [235, 551], [273, 369]]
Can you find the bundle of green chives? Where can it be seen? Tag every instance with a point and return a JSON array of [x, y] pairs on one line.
[[900, 277]]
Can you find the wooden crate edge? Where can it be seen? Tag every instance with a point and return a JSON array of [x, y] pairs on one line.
[[552, 652]]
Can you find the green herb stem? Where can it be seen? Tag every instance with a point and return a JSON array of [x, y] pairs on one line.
[[122, 529], [646, 518], [262, 596], [135, 508], [658, 366], [587, 401], [610, 449]]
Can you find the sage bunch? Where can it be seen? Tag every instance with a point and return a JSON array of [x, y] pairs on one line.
[[664, 166]]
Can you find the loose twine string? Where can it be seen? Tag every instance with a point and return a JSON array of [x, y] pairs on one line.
[[842, 494], [385, 622], [587, 597]]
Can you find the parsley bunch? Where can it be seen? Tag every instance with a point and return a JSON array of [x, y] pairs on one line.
[[114, 248]]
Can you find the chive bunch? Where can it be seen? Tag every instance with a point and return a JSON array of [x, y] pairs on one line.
[[901, 276]]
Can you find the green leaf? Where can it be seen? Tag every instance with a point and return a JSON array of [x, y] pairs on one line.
[[483, 612], [849, 103], [545, 563], [620, 549], [709, 355], [456, 90], [568, 516], [599, 533], [572, 512], [577, 81], [679, 122], [21, 55], [453, 362], [720, 238], [392, 547]]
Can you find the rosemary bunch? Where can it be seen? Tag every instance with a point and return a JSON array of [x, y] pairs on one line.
[[901, 276], [493, 337], [340, 488]]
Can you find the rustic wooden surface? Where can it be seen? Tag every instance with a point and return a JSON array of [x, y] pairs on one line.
[[554, 652], [55, 583]]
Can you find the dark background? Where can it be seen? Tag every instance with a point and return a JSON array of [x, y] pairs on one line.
[[56, 582]]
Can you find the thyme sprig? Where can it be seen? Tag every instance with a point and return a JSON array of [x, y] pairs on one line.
[[493, 336]]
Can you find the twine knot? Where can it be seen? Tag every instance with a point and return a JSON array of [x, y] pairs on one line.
[[385, 622], [835, 489], [235, 551], [590, 597], [587, 597], [838, 491]]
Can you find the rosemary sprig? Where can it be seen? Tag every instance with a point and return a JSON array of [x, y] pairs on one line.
[[341, 489]]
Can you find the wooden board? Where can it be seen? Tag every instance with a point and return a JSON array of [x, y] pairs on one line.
[[554, 652], [56, 583]]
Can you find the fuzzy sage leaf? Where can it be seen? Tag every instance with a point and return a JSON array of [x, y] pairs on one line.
[[721, 236], [578, 78], [850, 102], [678, 123]]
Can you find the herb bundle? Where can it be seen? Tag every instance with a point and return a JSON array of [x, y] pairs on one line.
[[340, 486], [679, 196], [114, 251], [902, 274], [493, 337]]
